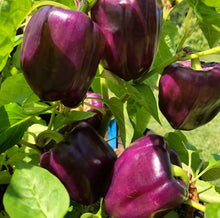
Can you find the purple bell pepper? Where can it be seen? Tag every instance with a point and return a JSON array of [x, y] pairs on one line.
[[60, 54], [132, 30], [189, 98], [142, 183], [83, 162]]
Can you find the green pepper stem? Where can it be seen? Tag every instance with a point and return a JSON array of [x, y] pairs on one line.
[[195, 205], [195, 64], [178, 171]]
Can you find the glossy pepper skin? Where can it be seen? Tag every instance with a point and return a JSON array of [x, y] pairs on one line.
[[132, 30], [83, 162], [95, 121], [189, 98], [60, 53], [142, 183]]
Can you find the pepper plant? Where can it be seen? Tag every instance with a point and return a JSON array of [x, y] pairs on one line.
[[55, 160]]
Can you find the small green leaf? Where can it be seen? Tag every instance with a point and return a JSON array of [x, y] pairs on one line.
[[212, 172], [119, 110], [72, 116], [207, 192], [35, 193], [213, 210]]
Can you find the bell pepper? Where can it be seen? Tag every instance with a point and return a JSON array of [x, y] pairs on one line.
[[83, 162], [142, 182], [60, 53], [96, 119], [132, 30], [189, 98]]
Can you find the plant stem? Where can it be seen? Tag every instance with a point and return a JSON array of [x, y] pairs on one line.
[[30, 145], [33, 115], [178, 57], [124, 97], [104, 88], [195, 64], [201, 54], [200, 174], [189, 163], [52, 118], [198, 169], [195, 205], [187, 29], [157, 69]]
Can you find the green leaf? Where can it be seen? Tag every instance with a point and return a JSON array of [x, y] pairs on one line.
[[207, 192], [14, 123], [36, 108], [212, 172], [35, 193], [178, 141], [11, 14], [139, 118], [15, 89], [145, 99], [167, 45], [119, 110], [209, 22], [178, 145], [212, 210], [72, 116], [212, 3]]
